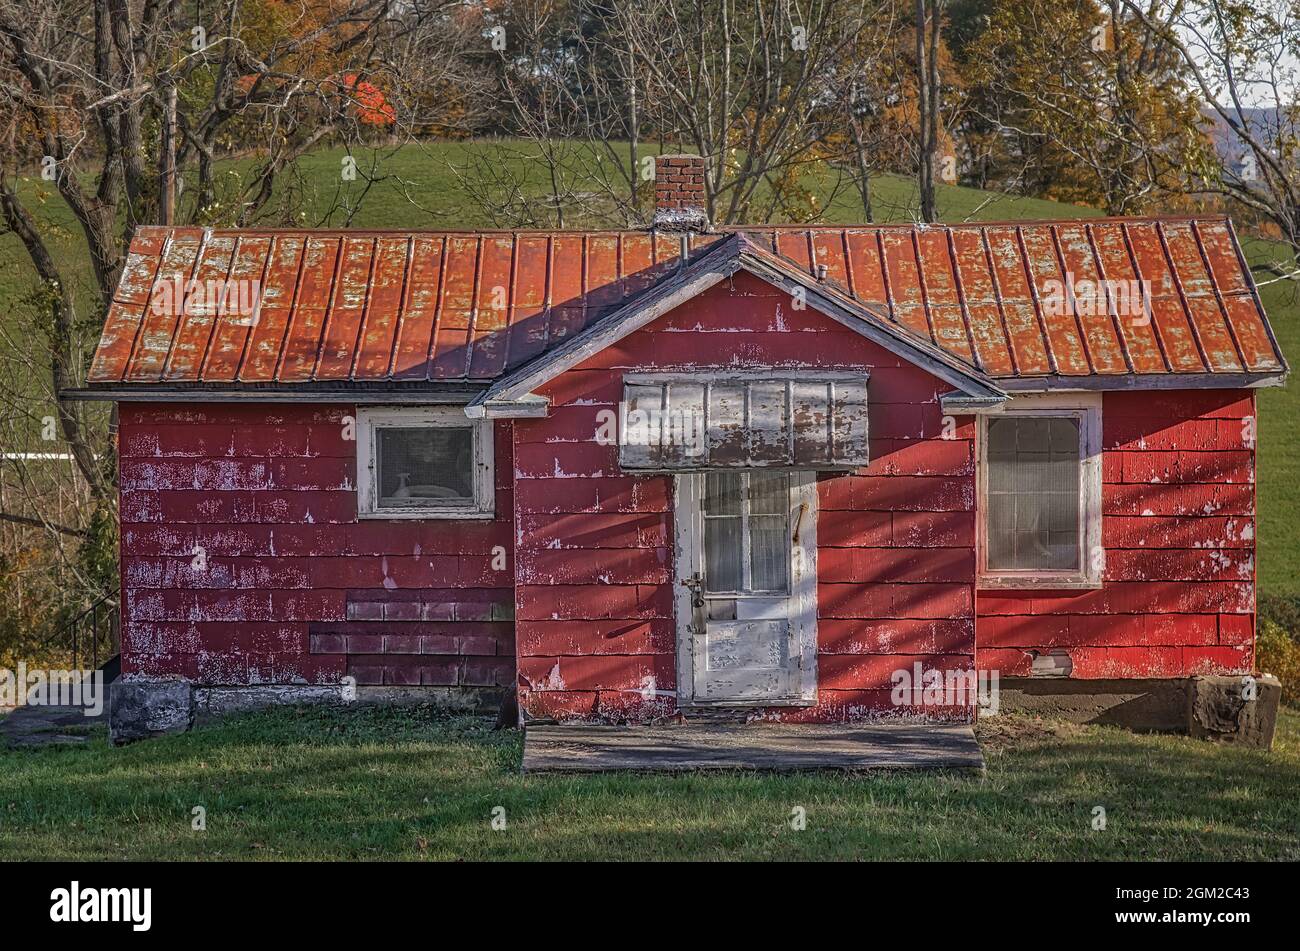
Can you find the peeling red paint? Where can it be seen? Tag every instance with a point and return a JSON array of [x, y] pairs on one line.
[[295, 589], [596, 635], [287, 577], [1178, 528]]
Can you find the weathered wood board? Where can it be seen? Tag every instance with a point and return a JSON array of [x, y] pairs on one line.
[[780, 747]]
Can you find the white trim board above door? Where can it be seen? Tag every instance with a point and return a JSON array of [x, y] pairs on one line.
[[747, 621]]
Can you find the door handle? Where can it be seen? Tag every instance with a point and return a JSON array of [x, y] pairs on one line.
[[696, 586], [798, 522]]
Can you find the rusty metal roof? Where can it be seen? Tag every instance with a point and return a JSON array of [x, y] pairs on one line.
[[1134, 301]]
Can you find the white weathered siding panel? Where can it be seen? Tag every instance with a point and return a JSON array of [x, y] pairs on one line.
[[806, 421]]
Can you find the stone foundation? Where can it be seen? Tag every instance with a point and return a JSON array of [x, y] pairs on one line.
[[1228, 710], [1234, 709], [218, 701], [140, 708]]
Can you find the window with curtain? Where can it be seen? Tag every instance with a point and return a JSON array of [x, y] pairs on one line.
[[746, 532], [423, 462], [1034, 473]]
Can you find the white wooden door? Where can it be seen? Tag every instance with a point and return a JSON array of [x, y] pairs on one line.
[[746, 587]]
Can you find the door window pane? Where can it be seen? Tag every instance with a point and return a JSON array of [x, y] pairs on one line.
[[747, 532], [722, 494], [1033, 473], [769, 546], [722, 553], [769, 493]]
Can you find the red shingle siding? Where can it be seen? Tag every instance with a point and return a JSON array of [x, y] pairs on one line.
[[895, 554], [293, 588], [595, 626], [290, 586], [1178, 526]]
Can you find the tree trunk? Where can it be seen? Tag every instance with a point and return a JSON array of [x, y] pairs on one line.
[[167, 159], [927, 84]]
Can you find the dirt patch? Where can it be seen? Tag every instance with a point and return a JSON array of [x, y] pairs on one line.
[[1010, 731]]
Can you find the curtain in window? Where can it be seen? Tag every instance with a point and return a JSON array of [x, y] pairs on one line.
[[1033, 471], [424, 463], [747, 532]]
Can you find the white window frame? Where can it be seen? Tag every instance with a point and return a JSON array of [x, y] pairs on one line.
[[1086, 408], [423, 417]]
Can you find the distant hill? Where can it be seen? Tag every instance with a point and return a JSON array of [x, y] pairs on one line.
[[1264, 123]]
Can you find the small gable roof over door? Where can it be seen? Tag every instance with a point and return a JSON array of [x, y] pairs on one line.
[[345, 310]]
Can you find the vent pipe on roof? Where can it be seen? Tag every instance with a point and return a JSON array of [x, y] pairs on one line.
[[679, 194]]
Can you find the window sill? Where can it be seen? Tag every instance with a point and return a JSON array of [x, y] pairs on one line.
[[1037, 583], [442, 515], [689, 705]]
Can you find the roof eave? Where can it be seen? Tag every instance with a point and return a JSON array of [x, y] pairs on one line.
[[1143, 381], [458, 393]]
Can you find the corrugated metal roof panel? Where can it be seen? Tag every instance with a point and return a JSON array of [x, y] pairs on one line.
[[1086, 298]]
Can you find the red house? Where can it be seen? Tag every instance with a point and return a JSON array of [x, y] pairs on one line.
[[632, 472]]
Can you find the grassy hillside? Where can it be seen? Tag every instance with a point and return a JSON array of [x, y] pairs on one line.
[[416, 187]]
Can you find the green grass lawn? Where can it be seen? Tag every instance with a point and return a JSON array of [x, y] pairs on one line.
[[416, 187], [313, 783]]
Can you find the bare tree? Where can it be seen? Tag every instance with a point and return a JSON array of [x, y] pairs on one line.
[[1242, 58], [574, 98], [878, 127], [757, 87], [929, 99], [91, 90]]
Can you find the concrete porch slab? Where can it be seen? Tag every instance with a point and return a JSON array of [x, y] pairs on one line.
[[37, 725], [780, 747]]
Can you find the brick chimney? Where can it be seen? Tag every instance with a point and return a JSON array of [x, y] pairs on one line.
[[679, 194]]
